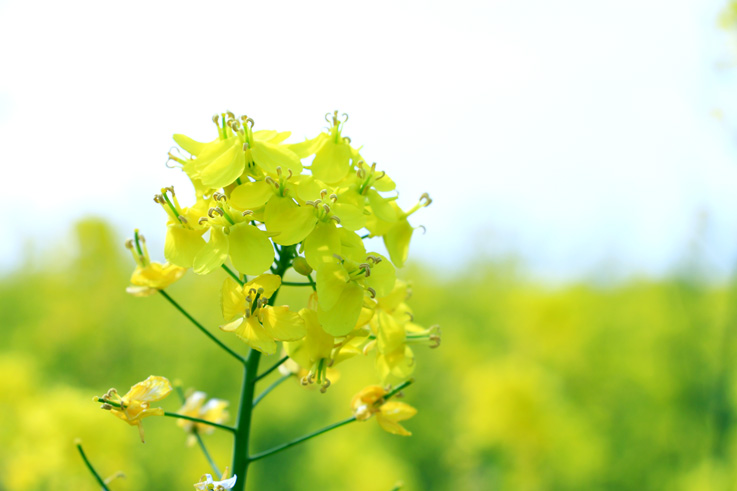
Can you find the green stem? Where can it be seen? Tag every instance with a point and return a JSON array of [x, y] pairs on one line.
[[270, 388], [201, 327], [312, 283], [242, 435], [179, 416], [241, 458], [398, 388], [272, 368], [301, 439], [295, 283], [207, 454], [92, 469], [233, 275]]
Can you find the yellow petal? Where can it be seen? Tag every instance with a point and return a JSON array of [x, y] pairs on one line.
[[269, 282], [391, 412], [250, 250], [225, 168], [251, 195], [390, 333], [282, 324], [154, 388], [269, 156], [397, 240], [381, 206], [331, 162], [322, 245], [292, 222], [213, 255], [341, 319], [383, 276], [309, 147], [182, 245], [351, 217], [233, 299], [332, 278], [191, 146]]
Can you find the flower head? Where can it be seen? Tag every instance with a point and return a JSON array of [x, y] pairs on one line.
[[214, 410], [149, 277], [256, 322], [372, 401], [135, 404]]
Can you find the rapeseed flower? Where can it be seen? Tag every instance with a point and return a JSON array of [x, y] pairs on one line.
[[214, 410], [135, 404], [256, 323], [370, 401], [149, 277]]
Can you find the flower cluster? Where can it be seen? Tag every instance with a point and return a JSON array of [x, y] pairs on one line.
[[258, 206], [268, 214]]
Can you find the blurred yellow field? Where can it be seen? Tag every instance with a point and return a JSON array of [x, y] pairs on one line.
[[579, 387]]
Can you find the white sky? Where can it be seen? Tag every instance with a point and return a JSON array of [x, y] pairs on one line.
[[578, 133]]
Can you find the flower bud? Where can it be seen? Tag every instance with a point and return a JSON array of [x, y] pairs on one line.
[[300, 266]]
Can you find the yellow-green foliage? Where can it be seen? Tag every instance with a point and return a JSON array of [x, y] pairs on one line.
[[581, 387]]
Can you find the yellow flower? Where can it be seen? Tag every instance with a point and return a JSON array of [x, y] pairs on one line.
[[135, 405], [213, 410], [184, 229], [398, 232], [238, 151], [257, 324], [393, 331], [332, 151], [341, 285], [232, 235], [370, 401], [149, 277]]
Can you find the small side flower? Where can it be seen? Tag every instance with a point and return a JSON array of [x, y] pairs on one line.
[[135, 404], [371, 401], [149, 277]]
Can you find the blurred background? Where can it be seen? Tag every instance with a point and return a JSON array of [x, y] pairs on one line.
[[579, 253]]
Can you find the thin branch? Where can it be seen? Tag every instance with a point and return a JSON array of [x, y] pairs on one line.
[[295, 283], [207, 454], [301, 439], [271, 387], [179, 416], [272, 368], [202, 328], [92, 469]]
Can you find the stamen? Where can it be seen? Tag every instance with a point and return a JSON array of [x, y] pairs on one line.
[[333, 197], [371, 291], [214, 211], [106, 407], [159, 199], [182, 219], [247, 212], [129, 244], [278, 171], [336, 219], [323, 193], [201, 220], [426, 198]]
